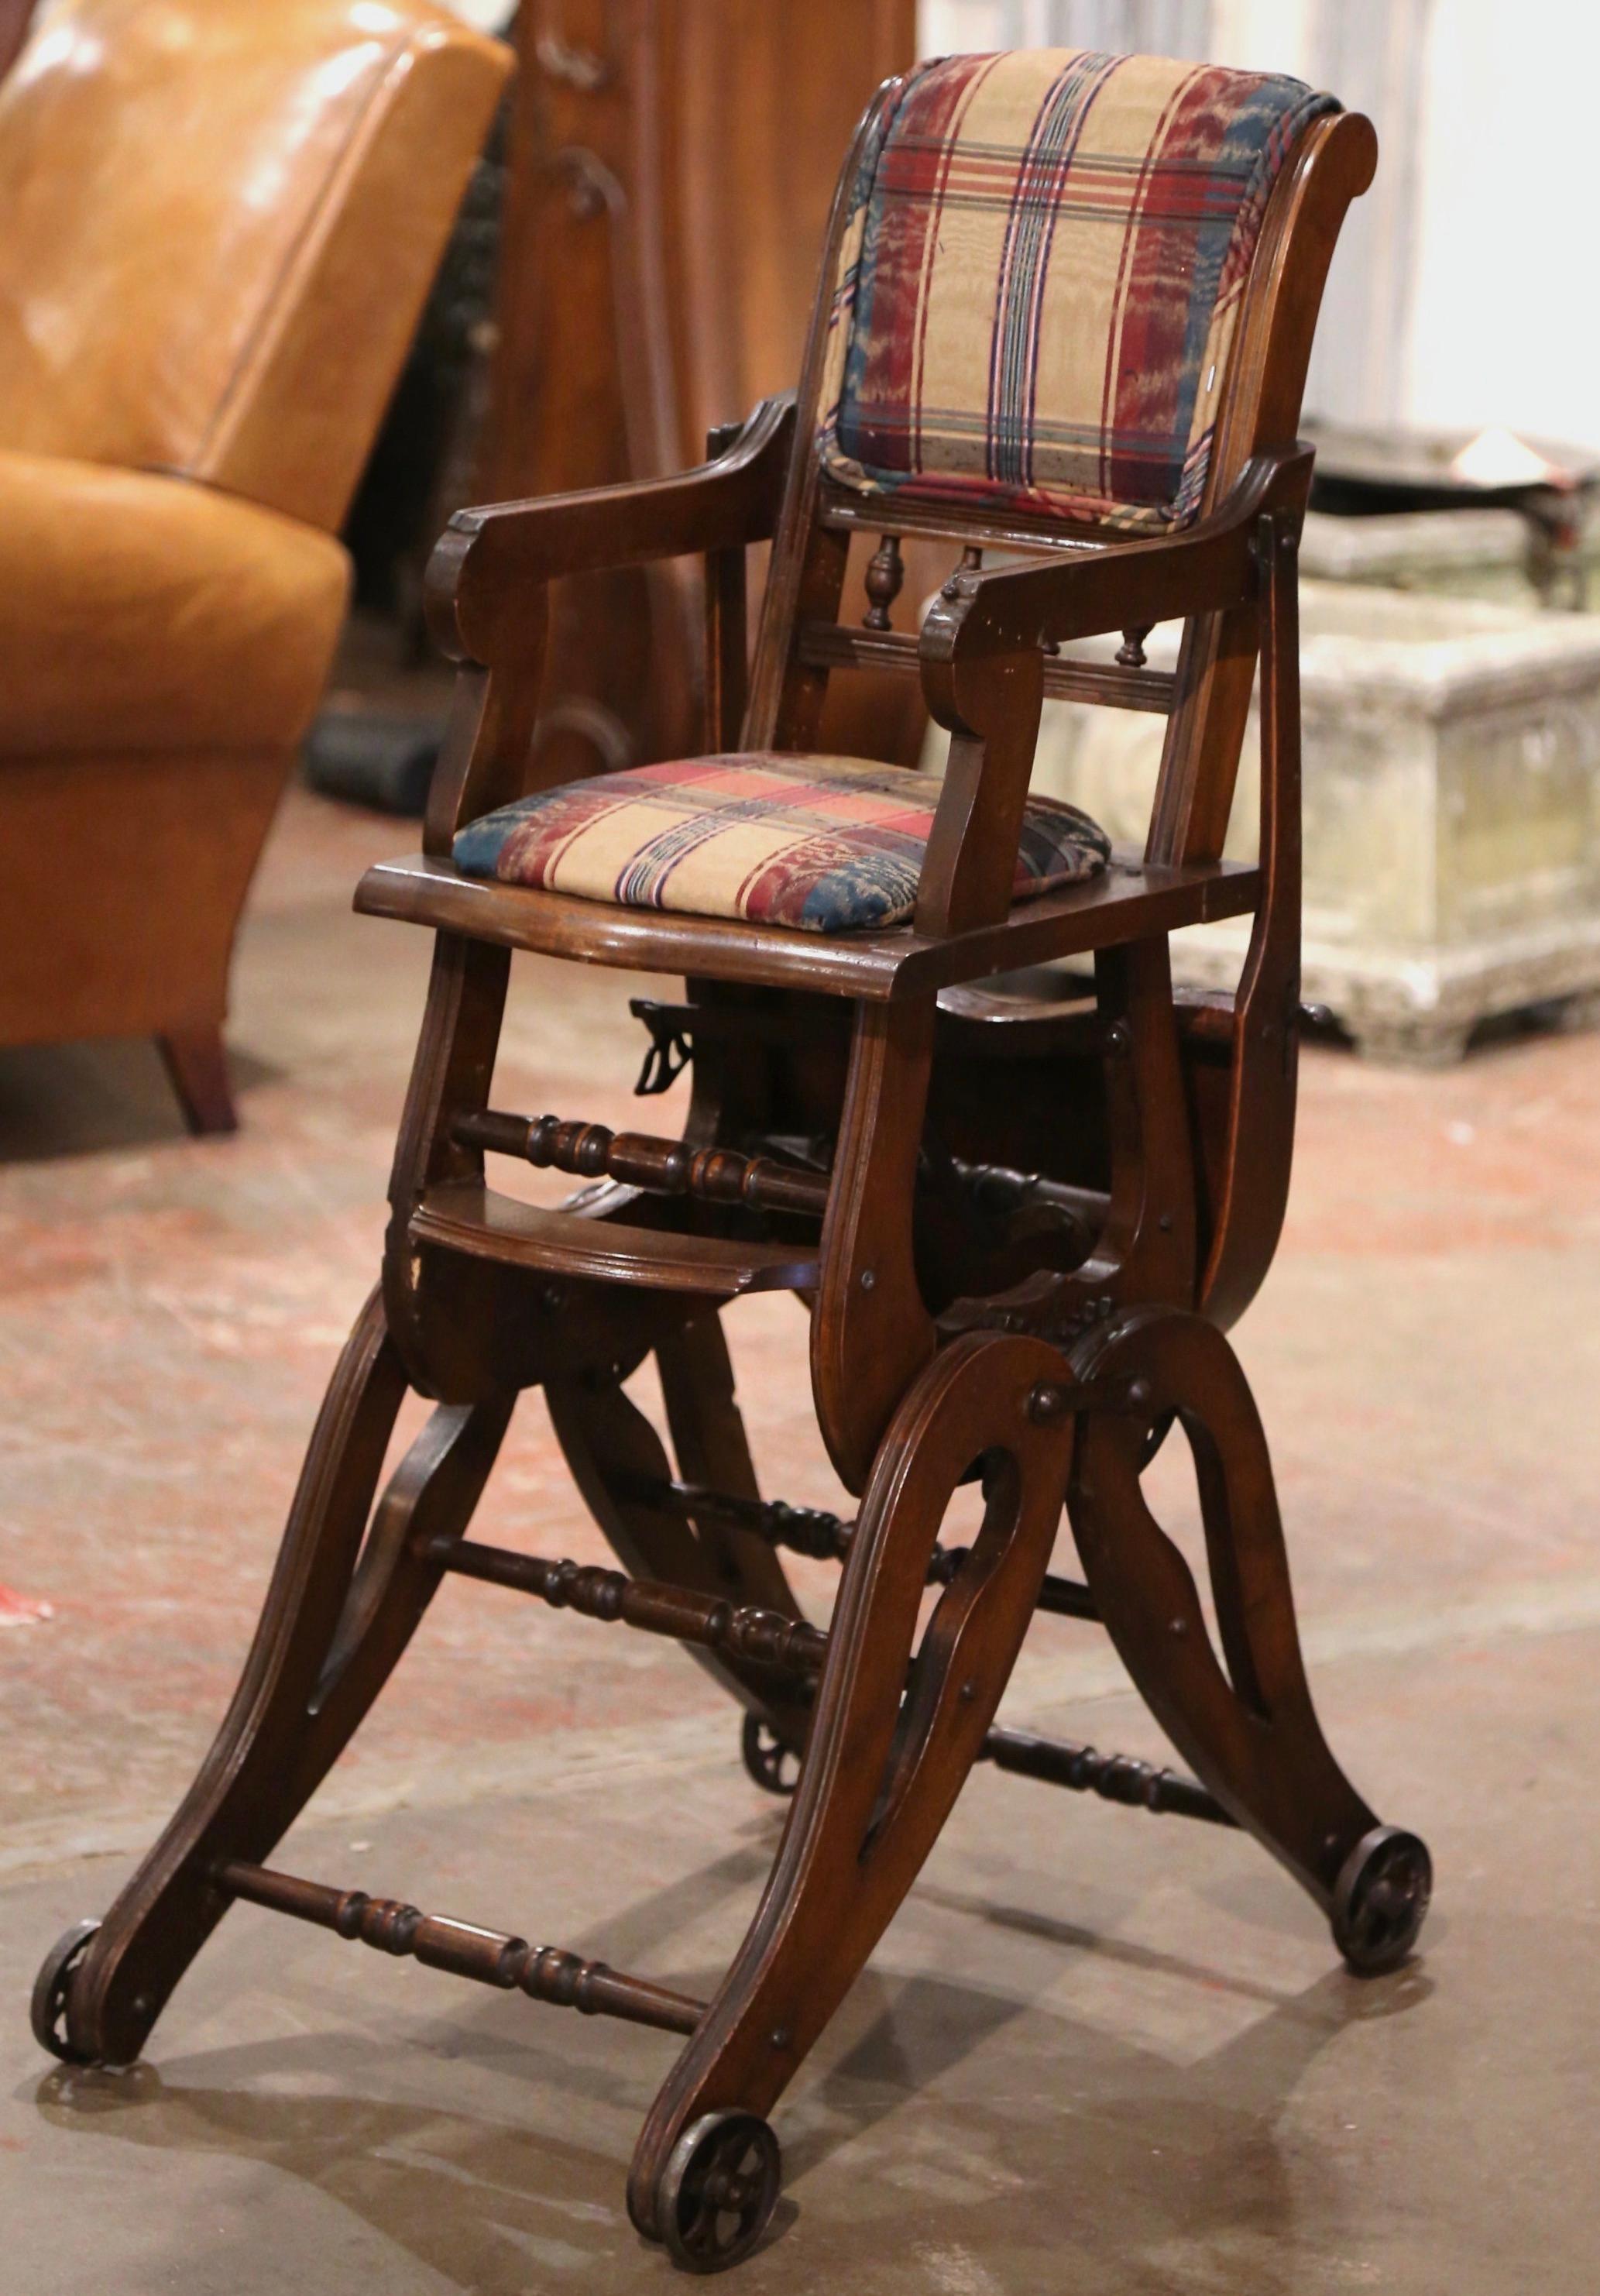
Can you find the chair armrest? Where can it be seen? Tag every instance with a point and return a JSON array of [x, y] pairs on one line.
[[489, 559], [982, 654], [1013, 610]]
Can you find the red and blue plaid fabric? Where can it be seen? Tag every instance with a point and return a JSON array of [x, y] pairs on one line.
[[827, 844], [1041, 276]]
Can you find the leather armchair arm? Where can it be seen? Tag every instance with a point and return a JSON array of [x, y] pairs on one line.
[[489, 559]]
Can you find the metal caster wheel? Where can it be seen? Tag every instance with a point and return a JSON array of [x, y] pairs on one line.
[[51, 1988], [774, 1768], [718, 2190], [1381, 1899]]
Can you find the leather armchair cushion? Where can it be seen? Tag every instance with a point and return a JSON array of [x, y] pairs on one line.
[[143, 611], [221, 218]]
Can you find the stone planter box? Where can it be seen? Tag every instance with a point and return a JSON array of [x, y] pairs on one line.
[[1464, 554], [1452, 811]]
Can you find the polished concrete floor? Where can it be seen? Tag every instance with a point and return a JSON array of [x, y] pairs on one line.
[[1097, 2052]]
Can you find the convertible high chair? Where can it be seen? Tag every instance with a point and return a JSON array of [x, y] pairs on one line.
[[943, 1090]]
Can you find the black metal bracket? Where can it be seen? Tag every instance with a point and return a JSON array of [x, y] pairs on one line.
[[671, 1048]]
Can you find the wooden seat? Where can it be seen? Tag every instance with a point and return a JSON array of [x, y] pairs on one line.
[[1021, 1187], [1129, 902]]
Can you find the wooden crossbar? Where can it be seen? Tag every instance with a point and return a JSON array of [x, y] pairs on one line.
[[642, 1160], [825, 1537], [1114, 1778], [544, 1973], [757, 1636], [767, 1638], [829, 645]]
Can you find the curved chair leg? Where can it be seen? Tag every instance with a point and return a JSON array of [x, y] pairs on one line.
[[615, 1454], [337, 1615], [1251, 1732], [889, 1753]]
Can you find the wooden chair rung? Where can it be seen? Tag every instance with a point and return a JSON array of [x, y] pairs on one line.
[[831, 646], [1114, 1778], [825, 1537], [641, 1159], [754, 1636], [803, 1530], [544, 1973]]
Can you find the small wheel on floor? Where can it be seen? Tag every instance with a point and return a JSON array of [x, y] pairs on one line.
[[52, 1987], [1381, 1899], [769, 1762], [718, 2190]]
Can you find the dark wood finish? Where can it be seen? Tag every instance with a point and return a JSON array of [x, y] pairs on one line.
[[1114, 1778], [757, 1637], [341, 1608], [878, 1783], [1027, 1199], [615, 1453], [825, 645], [670, 1168], [813, 1531], [1244, 1721], [1131, 901], [544, 1973], [465, 1216]]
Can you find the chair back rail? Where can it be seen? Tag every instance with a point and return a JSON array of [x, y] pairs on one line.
[[803, 637]]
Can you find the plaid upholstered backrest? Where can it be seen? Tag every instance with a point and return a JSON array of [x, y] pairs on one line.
[[1042, 265]]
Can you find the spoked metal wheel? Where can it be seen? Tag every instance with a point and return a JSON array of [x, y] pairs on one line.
[[769, 1761], [718, 2190], [52, 1987], [1381, 1899]]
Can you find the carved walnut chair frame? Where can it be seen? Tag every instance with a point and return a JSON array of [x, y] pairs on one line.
[[1028, 1284]]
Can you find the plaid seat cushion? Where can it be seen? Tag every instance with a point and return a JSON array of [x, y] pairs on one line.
[[1040, 280], [828, 844]]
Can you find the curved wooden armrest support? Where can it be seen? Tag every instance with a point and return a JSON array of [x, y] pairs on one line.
[[983, 650], [1209, 566], [489, 562], [488, 588]]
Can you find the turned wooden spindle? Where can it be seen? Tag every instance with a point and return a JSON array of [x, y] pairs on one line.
[[825, 1537], [639, 1159], [544, 1973], [651, 1606], [1130, 653], [886, 573]]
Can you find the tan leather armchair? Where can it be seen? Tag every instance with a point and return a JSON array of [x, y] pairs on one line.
[[218, 222]]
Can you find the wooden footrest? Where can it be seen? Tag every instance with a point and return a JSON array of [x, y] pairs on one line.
[[464, 1215]]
